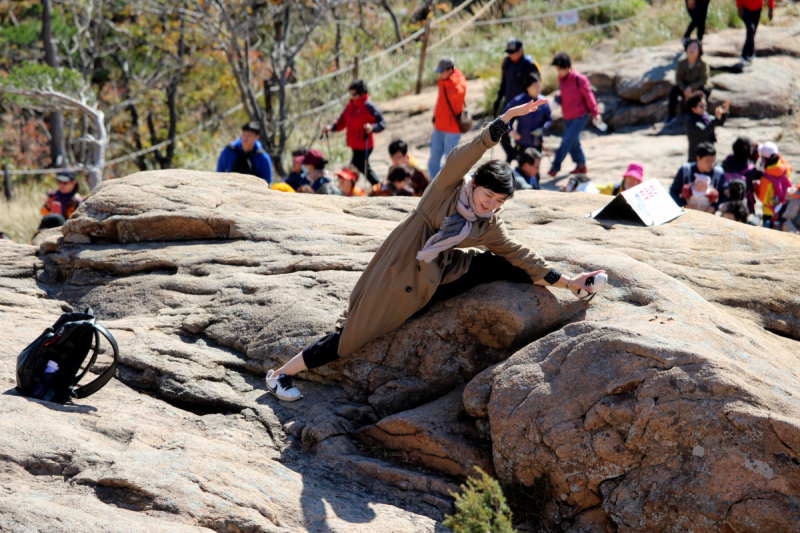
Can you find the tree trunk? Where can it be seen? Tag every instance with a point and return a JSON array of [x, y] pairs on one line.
[[57, 150], [100, 145], [388, 7]]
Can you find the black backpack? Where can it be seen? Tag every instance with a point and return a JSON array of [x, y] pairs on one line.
[[65, 344]]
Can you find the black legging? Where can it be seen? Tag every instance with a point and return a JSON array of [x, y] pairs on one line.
[[751, 19], [485, 267], [698, 16], [360, 160]]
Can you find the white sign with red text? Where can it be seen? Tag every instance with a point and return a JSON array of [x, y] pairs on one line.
[[650, 202]]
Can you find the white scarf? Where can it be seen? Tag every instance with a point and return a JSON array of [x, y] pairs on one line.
[[455, 228]]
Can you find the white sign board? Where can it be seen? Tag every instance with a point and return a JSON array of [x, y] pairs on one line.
[[567, 18], [650, 202]]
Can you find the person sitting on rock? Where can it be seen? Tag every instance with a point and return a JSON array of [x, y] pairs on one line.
[[705, 159], [346, 179], [699, 125], [435, 242], [632, 177], [775, 181], [700, 195], [398, 183], [245, 155], [398, 151], [741, 165], [528, 131], [297, 176], [64, 200], [316, 174], [528, 169], [691, 75]]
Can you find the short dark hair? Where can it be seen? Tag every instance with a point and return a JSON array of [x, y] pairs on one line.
[[742, 148], [529, 156], [530, 79], [695, 99], [300, 150], [562, 60], [705, 150], [359, 86], [400, 173], [398, 145], [496, 176], [699, 44]]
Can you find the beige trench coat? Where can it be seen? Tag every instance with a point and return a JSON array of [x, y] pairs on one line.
[[396, 285]]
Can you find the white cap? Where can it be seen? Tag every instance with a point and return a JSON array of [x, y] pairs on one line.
[[703, 178], [768, 149]]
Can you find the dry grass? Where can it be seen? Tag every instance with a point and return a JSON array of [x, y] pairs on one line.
[[20, 218]]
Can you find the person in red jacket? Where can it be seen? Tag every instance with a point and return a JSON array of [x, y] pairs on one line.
[[750, 13], [446, 133], [361, 119], [577, 102]]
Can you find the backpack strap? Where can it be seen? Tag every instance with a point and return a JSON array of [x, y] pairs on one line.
[[94, 386], [686, 168], [455, 117]]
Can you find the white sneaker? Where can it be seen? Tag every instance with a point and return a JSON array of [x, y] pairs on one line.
[[282, 387], [597, 283]]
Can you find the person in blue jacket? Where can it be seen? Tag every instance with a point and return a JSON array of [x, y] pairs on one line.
[[528, 131], [515, 68], [245, 155]]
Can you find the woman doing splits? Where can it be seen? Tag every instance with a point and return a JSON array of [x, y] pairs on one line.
[[423, 259]]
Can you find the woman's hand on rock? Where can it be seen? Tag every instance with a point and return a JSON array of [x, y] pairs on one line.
[[579, 281], [523, 109]]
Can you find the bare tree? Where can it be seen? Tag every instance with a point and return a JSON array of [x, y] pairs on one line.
[[48, 89], [278, 31]]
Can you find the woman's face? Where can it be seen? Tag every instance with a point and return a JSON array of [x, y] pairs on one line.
[[701, 108], [693, 52], [486, 200], [345, 185]]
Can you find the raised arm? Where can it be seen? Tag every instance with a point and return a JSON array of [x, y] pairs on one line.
[[464, 156]]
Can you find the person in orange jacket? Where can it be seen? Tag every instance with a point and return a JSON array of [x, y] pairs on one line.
[[64, 200], [775, 181], [449, 105], [750, 13]]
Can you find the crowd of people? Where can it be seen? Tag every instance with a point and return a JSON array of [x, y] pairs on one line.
[[752, 174]]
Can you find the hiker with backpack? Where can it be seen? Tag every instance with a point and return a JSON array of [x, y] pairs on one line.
[[578, 102], [64, 200], [774, 183], [246, 155], [449, 106], [704, 165], [528, 131], [431, 256], [316, 173], [700, 126], [741, 165], [515, 69], [362, 120], [691, 74]]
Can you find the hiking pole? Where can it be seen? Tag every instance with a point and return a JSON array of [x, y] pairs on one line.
[[328, 141]]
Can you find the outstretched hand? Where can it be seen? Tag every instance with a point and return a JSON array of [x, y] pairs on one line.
[[579, 281], [523, 109]]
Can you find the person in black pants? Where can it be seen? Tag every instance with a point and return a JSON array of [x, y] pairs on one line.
[[698, 10], [750, 13]]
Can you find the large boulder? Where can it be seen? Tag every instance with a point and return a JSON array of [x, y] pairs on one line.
[[641, 78], [207, 280]]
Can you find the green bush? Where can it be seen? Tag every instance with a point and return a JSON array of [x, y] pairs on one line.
[[480, 508]]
